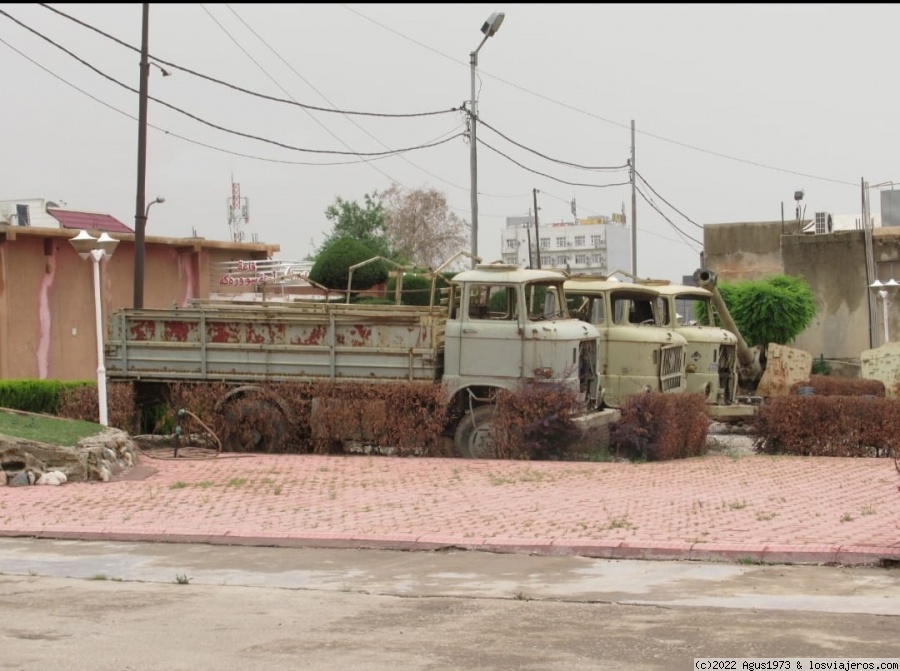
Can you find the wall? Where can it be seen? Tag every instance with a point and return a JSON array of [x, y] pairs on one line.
[[834, 265], [47, 318]]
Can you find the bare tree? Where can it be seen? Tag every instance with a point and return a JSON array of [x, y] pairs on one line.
[[420, 226]]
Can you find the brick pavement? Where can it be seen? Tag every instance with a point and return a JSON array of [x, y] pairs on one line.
[[771, 509]]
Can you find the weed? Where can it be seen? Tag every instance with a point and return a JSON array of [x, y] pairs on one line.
[[765, 517], [748, 561], [847, 517], [178, 485], [236, 482], [182, 579], [99, 576], [206, 484], [521, 596], [868, 510], [277, 489], [737, 505], [620, 522]]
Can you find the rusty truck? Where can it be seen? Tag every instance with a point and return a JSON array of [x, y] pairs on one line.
[[490, 333]]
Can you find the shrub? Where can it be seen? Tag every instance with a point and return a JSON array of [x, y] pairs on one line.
[[536, 421], [828, 426], [81, 402], [657, 426], [415, 289], [39, 396], [332, 267], [823, 385]]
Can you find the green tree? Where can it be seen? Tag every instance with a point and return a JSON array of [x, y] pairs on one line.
[[772, 310], [365, 224], [332, 266]]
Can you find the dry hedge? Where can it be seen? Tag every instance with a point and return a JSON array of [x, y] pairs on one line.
[[657, 426], [826, 385]]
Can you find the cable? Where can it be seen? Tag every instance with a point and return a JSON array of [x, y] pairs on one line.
[[222, 128], [667, 202], [609, 121], [238, 88], [671, 223], [555, 160], [555, 179]]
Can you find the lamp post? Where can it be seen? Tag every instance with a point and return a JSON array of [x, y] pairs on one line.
[[881, 288], [158, 199], [97, 249], [491, 26]]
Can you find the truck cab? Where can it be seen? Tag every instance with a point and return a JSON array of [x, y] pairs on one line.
[[498, 334], [711, 350], [636, 353]]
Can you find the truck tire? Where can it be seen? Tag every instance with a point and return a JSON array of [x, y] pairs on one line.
[[473, 434], [254, 423]]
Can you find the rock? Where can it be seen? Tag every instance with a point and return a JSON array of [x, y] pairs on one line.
[[20, 479], [49, 479]]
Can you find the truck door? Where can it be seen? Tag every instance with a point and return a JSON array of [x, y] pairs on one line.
[[491, 340]]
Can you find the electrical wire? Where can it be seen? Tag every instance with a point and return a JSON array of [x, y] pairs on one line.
[[239, 88], [203, 121], [554, 160], [671, 223], [555, 179], [667, 202]]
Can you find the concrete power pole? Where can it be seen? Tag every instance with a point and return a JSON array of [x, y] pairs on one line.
[[537, 235], [633, 208]]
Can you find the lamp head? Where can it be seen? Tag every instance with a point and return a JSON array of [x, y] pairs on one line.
[[107, 243], [83, 243], [492, 25]]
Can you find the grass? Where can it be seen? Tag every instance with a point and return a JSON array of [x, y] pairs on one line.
[[46, 429]]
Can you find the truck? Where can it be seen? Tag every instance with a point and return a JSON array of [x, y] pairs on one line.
[[491, 333], [635, 354]]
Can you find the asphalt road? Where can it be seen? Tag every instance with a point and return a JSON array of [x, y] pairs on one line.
[[102, 606]]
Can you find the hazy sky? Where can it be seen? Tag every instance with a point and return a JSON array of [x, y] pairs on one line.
[[735, 106]]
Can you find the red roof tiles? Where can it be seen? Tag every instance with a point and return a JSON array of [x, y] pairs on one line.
[[89, 221]]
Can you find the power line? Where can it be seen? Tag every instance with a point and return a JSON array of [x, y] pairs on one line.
[[605, 120], [667, 202], [542, 174], [182, 137], [555, 160], [239, 88], [671, 223], [203, 121]]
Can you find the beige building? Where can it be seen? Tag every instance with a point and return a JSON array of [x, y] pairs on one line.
[[47, 316], [850, 314]]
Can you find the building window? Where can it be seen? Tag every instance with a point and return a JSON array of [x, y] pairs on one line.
[[547, 261], [579, 241], [511, 244], [597, 259], [580, 259], [596, 240], [545, 243], [560, 242]]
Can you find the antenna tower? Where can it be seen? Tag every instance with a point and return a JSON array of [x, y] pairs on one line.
[[238, 213]]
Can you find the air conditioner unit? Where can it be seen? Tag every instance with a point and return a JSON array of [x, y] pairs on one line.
[[824, 223]]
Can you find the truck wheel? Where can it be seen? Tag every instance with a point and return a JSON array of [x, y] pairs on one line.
[[254, 424], [473, 434]]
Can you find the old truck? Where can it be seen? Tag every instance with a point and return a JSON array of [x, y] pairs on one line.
[[635, 354], [490, 334]]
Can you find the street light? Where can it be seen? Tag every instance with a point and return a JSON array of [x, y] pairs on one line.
[[97, 249], [158, 199], [490, 27], [881, 288]]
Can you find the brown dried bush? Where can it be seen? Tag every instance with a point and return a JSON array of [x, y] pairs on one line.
[[656, 427], [83, 403], [536, 422], [319, 416], [826, 385], [828, 426]]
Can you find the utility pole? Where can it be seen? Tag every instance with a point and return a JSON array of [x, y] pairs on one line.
[[140, 214], [537, 236], [633, 207]]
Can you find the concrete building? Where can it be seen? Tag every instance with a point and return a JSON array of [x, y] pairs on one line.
[[591, 246], [47, 316], [834, 262]]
